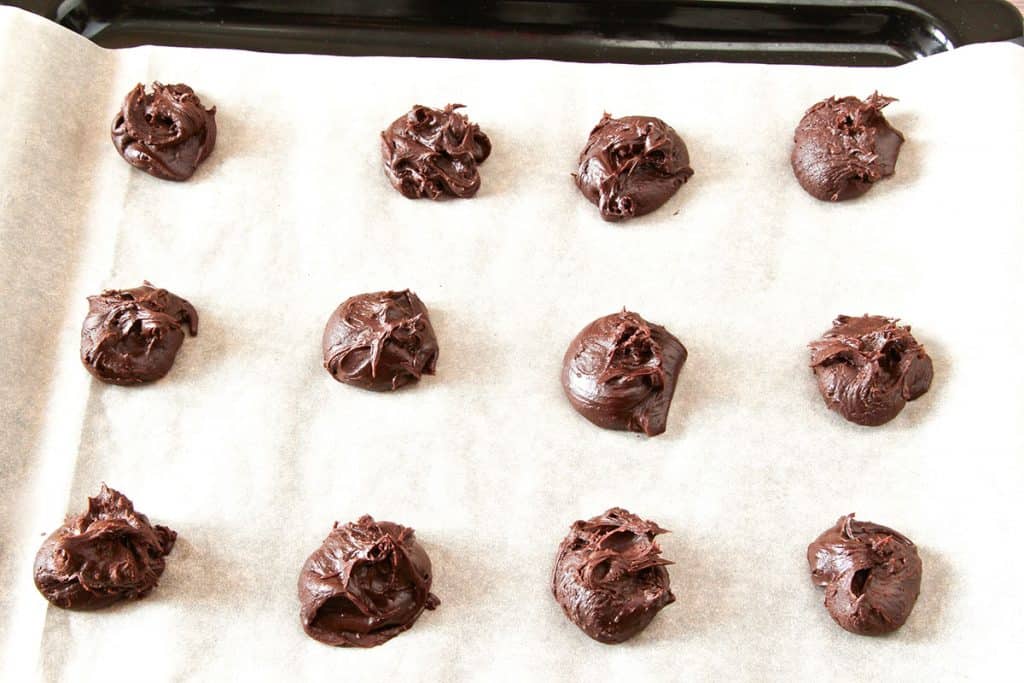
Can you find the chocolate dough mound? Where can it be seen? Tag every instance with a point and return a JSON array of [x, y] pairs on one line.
[[367, 583], [434, 153], [380, 341], [631, 166], [620, 373], [844, 146], [108, 553], [869, 367], [167, 133], [871, 575], [131, 336], [610, 578]]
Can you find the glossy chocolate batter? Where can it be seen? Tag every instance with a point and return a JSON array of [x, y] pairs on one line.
[[131, 336], [620, 373], [871, 575], [610, 578], [631, 166], [166, 133], [845, 146], [434, 153], [869, 367], [367, 583], [108, 553], [380, 341]]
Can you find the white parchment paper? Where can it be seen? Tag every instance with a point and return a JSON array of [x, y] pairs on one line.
[[250, 450]]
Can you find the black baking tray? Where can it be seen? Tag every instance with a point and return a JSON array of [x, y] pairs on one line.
[[837, 32]]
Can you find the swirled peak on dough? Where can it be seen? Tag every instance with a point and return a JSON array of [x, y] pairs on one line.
[[132, 336], [868, 367], [620, 372], [108, 553], [631, 166], [844, 146], [380, 341], [368, 582], [434, 153], [166, 133], [610, 578], [871, 575]]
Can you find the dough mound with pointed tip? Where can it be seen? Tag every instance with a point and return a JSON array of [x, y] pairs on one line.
[[610, 578], [868, 367], [631, 166], [166, 133], [132, 336], [871, 575], [620, 372], [368, 582], [844, 146], [434, 153], [108, 553], [380, 341]]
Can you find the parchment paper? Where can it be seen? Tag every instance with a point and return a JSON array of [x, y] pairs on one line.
[[250, 450]]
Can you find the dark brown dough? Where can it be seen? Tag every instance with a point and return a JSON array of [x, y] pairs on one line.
[[132, 336], [869, 367], [368, 582], [434, 153], [844, 146], [871, 575], [380, 341], [620, 373], [631, 166], [166, 133], [108, 553], [610, 578]]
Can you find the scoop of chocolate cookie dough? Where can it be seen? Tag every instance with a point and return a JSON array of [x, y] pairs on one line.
[[132, 336], [869, 367], [166, 133], [380, 341], [610, 578], [108, 553], [368, 582], [631, 166], [844, 146], [620, 373], [871, 575], [434, 153]]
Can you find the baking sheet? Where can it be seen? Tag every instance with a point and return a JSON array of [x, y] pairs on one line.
[[250, 450]]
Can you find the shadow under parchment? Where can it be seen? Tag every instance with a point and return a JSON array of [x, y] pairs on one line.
[[43, 220]]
